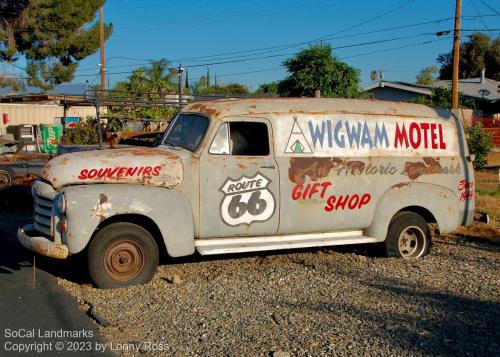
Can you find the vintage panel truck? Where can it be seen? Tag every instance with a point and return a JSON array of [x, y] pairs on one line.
[[258, 174]]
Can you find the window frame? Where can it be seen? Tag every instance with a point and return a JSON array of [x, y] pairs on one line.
[[228, 122]]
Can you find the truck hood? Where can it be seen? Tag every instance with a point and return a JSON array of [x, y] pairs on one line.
[[145, 166]]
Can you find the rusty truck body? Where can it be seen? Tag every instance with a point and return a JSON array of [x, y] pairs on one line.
[[258, 174]]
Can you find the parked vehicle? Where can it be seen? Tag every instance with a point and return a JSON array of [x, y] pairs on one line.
[[19, 163], [258, 174]]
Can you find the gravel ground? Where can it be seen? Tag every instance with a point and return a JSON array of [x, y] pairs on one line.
[[312, 302]]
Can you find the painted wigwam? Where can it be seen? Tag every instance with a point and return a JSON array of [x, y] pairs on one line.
[[258, 174]]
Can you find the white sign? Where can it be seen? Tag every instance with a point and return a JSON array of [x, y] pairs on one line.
[[247, 200], [363, 135]]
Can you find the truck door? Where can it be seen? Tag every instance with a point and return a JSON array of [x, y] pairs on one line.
[[239, 181]]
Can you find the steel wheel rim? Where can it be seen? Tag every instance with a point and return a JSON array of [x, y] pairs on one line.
[[124, 260], [4, 179], [411, 242]]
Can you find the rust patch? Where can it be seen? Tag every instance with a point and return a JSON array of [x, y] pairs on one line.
[[103, 198], [315, 168], [319, 167], [416, 169], [402, 184], [433, 166], [241, 166], [203, 108]]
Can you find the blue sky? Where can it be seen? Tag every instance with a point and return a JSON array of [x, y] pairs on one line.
[[189, 31]]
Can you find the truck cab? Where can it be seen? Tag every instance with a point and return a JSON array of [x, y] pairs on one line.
[[248, 175]]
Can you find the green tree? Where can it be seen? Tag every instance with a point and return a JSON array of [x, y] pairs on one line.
[[199, 87], [479, 52], [224, 89], [480, 144], [51, 36], [426, 75], [316, 68], [441, 98], [157, 78], [268, 89], [150, 84]]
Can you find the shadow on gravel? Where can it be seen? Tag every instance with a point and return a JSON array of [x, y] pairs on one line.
[[436, 322], [16, 199], [367, 250]]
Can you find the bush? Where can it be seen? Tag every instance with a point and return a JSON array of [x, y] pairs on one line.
[[84, 133], [480, 144]]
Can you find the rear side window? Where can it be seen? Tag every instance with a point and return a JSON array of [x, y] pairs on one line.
[[241, 139]]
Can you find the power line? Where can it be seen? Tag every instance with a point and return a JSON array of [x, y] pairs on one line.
[[256, 56], [397, 48], [477, 12], [264, 50], [372, 19], [489, 7]]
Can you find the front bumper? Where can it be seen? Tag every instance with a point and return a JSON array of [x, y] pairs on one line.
[[40, 244]]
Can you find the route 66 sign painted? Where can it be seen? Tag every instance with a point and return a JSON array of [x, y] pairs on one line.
[[247, 200]]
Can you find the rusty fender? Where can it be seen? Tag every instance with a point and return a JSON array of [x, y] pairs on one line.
[[438, 200], [88, 206]]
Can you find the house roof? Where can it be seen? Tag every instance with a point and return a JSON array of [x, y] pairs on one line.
[[470, 87]]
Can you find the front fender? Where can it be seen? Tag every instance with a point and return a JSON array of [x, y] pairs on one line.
[[440, 201], [90, 205]]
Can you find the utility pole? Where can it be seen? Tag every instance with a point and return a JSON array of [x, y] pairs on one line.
[[179, 72], [456, 55], [101, 41]]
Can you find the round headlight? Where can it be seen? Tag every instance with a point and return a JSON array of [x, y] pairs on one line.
[[61, 204]]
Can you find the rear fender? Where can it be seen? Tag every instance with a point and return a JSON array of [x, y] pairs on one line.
[[440, 201]]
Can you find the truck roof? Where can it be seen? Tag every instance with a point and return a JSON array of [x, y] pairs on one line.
[[224, 107]]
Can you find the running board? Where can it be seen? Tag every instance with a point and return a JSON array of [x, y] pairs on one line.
[[261, 243]]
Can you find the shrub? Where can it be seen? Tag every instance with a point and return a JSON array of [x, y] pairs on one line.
[[84, 133], [480, 144]]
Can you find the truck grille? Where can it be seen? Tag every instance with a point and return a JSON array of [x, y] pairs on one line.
[[43, 217]]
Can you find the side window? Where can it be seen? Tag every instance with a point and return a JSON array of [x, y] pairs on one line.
[[220, 145], [249, 138], [241, 139]]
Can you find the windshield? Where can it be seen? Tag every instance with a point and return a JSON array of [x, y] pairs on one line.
[[186, 131]]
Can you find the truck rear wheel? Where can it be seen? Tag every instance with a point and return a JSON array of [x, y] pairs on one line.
[[408, 236], [122, 254]]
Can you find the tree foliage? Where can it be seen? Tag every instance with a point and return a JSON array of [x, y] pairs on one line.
[[316, 68], [426, 75], [480, 144], [149, 84], [51, 36], [268, 89], [201, 87], [441, 98], [479, 52], [158, 78]]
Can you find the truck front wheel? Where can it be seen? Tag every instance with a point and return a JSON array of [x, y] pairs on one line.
[[408, 236], [122, 254]]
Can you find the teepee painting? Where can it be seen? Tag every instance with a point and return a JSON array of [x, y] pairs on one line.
[[297, 143]]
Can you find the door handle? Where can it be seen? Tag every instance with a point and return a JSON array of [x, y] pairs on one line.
[[268, 167]]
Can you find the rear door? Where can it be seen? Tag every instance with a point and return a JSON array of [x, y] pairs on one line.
[[239, 181]]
